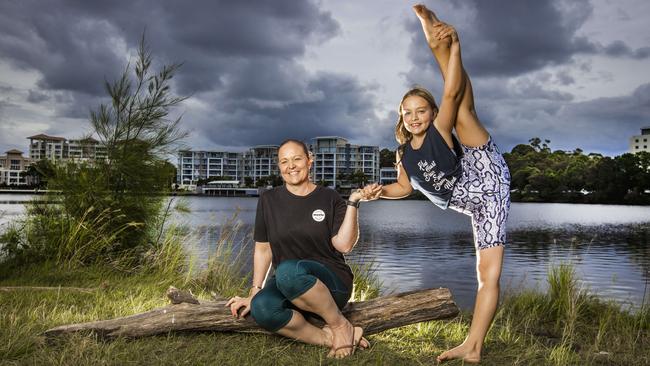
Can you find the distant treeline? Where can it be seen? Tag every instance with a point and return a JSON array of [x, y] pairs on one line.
[[541, 175]]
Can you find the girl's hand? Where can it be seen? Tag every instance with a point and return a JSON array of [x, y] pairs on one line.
[[445, 30], [371, 192]]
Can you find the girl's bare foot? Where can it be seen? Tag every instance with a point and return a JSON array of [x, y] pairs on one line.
[[430, 24], [463, 351]]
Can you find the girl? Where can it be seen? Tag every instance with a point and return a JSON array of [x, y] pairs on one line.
[[469, 176]]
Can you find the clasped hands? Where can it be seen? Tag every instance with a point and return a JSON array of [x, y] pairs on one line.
[[370, 192]]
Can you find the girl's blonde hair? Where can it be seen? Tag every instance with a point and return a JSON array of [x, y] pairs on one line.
[[401, 134]]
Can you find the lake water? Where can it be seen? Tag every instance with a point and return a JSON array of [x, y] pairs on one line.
[[415, 245]]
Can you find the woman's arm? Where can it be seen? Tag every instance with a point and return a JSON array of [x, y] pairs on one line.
[[348, 233], [262, 257]]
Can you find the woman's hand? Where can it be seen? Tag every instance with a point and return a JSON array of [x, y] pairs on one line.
[[237, 303], [370, 192]]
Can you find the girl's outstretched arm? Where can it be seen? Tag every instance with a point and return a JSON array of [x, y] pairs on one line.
[[403, 186], [454, 85]]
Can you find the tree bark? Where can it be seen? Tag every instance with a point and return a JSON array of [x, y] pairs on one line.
[[373, 316]]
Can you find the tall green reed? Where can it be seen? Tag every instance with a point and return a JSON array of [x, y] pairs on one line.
[[224, 272]]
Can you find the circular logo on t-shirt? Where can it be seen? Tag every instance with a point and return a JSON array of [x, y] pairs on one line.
[[318, 215]]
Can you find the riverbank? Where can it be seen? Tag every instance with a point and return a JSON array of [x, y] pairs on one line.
[[564, 326]]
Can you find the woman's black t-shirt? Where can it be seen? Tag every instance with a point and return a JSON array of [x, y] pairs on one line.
[[302, 227], [434, 168]]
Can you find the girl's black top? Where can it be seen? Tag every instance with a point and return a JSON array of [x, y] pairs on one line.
[[434, 168]]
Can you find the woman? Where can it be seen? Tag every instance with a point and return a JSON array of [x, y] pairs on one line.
[[302, 230], [471, 176]]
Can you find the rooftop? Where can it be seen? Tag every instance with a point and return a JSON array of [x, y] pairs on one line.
[[85, 139], [42, 136], [329, 138]]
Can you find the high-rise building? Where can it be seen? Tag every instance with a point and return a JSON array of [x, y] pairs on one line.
[[195, 165], [56, 148], [47, 147], [11, 166], [335, 159], [641, 142], [87, 149], [259, 162]]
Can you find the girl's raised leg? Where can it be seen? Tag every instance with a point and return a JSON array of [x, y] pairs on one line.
[[469, 129]]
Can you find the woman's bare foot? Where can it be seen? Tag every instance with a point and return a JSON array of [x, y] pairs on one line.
[[363, 343], [464, 351], [345, 339], [430, 24]]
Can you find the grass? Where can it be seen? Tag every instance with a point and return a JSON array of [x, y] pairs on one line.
[[564, 326]]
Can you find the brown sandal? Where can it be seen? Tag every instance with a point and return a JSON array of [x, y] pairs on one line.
[[354, 345]]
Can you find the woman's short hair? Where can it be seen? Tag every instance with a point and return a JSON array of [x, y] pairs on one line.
[[302, 144]]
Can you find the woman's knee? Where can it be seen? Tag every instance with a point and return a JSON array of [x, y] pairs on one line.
[[293, 279], [269, 312]]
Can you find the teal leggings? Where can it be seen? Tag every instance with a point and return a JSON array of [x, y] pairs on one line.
[[272, 308]]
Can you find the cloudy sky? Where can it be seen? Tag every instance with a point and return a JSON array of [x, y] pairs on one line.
[[572, 71]]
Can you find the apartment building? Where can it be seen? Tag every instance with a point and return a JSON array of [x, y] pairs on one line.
[[56, 148], [12, 164], [641, 142], [47, 147], [195, 165], [87, 149], [335, 158], [259, 161]]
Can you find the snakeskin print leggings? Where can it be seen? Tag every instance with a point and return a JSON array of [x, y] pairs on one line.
[[483, 193]]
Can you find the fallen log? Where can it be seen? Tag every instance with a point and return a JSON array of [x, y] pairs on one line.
[[373, 316]]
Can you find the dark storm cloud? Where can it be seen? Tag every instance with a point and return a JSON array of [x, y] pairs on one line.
[[616, 111], [513, 37], [69, 50], [34, 96], [620, 49], [605, 124], [239, 58], [507, 44], [74, 43], [565, 78], [337, 105], [601, 125]]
